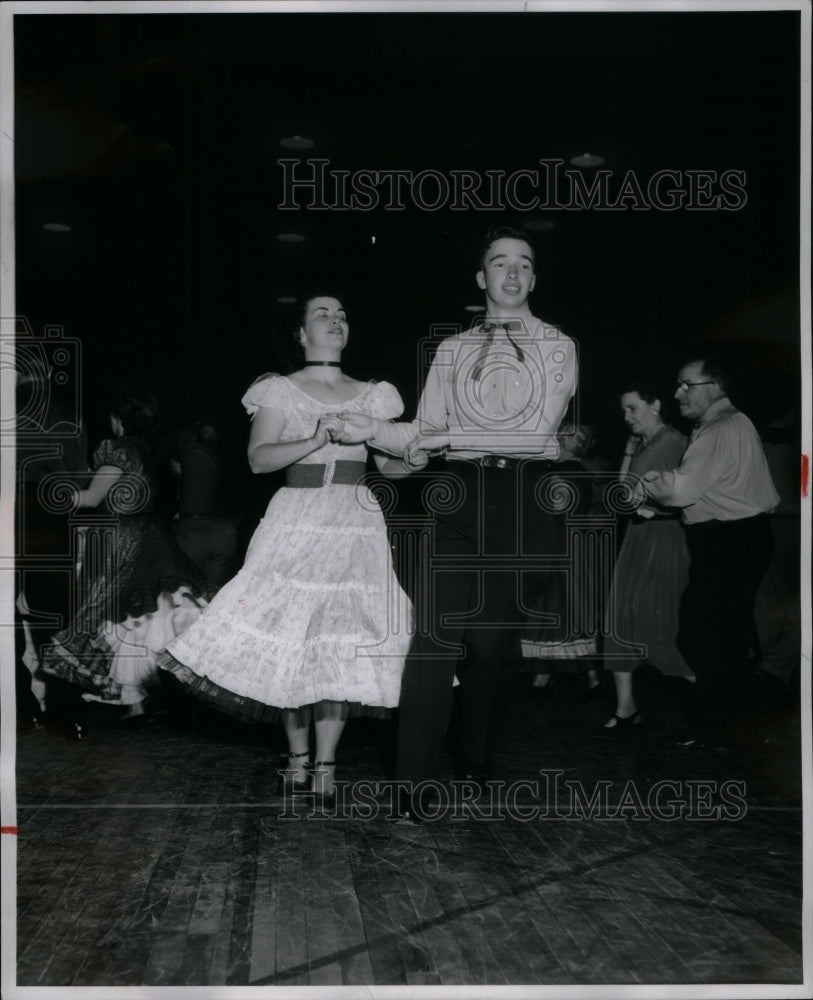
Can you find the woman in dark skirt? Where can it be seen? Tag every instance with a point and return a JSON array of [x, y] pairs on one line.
[[652, 567], [137, 589]]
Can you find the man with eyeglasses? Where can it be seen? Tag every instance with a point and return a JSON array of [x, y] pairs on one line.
[[725, 491]]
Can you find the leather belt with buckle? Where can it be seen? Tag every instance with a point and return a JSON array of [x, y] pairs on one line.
[[497, 462], [504, 462]]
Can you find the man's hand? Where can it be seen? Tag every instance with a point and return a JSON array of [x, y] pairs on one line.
[[420, 448], [356, 428], [638, 494], [415, 457]]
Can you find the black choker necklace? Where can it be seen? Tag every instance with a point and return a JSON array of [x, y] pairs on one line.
[[324, 364]]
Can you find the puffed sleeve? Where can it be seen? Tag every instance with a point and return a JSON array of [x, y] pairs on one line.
[[267, 390], [122, 454], [386, 402]]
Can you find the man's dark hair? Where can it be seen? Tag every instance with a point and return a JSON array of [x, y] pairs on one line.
[[502, 233], [715, 371]]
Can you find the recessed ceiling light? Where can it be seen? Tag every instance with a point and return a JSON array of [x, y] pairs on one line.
[[286, 300], [474, 309], [291, 238], [297, 142], [56, 227], [537, 225], [587, 160]]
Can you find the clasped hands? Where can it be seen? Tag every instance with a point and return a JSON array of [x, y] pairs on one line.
[[356, 428], [345, 428], [638, 495]]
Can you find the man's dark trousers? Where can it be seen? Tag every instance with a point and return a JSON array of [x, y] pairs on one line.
[[487, 519], [728, 561]]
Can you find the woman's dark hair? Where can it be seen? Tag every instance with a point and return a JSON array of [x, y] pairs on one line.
[[646, 390], [652, 390], [292, 352], [138, 412], [318, 292]]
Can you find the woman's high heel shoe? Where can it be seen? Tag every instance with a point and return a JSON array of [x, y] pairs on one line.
[[324, 799], [629, 726], [77, 730], [288, 784]]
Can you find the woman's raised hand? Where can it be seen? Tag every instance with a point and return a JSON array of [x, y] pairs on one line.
[[356, 428], [329, 428]]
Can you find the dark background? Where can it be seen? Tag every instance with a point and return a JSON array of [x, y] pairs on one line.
[[156, 138]]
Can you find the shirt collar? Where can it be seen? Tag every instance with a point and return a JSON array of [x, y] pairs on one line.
[[658, 434], [530, 326], [717, 408]]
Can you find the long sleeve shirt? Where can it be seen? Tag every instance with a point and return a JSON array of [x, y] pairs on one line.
[[724, 474], [487, 400]]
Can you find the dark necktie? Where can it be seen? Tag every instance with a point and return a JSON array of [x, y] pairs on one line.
[[489, 329]]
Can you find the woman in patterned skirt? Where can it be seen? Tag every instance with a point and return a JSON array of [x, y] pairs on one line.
[[137, 588]]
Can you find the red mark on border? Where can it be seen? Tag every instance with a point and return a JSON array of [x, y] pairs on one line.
[[805, 475], [9, 829]]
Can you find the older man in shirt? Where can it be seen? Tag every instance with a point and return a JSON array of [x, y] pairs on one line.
[[725, 490], [492, 404]]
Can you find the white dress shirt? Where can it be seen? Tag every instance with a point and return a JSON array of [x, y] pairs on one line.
[[487, 401]]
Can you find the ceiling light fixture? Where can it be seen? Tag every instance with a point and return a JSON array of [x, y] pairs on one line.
[[286, 300], [587, 160], [474, 309], [537, 225], [57, 227], [291, 238], [297, 142]]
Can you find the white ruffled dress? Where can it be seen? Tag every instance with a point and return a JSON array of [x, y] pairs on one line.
[[316, 617]]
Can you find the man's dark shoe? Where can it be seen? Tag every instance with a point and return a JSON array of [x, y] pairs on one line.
[[416, 805], [478, 773]]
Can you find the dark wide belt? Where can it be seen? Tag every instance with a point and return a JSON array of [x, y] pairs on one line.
[[315, 475]]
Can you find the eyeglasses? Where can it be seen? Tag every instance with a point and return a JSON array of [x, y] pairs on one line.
[[685, 386]]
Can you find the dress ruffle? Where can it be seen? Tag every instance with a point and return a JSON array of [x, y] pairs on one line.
[[565, 597], [134, 645], [139, 592]]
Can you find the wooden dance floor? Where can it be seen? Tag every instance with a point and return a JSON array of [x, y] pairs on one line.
[[162, 856]]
